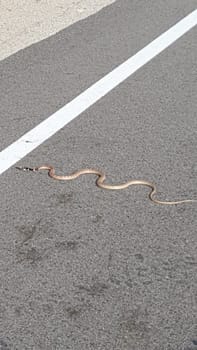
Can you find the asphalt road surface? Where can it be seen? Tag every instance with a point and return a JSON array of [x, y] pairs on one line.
[[80, 267]]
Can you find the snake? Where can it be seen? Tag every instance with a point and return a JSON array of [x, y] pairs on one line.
[[100, 182]]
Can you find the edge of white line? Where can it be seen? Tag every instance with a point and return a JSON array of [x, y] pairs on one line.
[[43, 131]]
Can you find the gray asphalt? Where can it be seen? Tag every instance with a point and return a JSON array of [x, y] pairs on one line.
[[82, 268]]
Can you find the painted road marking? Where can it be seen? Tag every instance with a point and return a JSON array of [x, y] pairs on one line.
[[43, 131]]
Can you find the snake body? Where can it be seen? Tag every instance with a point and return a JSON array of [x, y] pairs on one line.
[[100, 182]]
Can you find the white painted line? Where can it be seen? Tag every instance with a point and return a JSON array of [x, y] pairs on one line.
[[32, 139]]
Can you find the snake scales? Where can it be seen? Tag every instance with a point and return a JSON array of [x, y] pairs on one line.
[[100, 182]]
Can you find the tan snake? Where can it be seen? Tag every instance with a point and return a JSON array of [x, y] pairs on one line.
[[100, 182]]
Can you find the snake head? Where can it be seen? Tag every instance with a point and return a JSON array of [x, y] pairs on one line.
[[26, 168]]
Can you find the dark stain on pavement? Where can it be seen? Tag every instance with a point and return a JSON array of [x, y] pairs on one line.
[[139, 257], [31, 255], [75, 311], [67, 245], [134, 327], [96, 289], [28, 231], [190, 342], [64, 198], [4, 345]]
